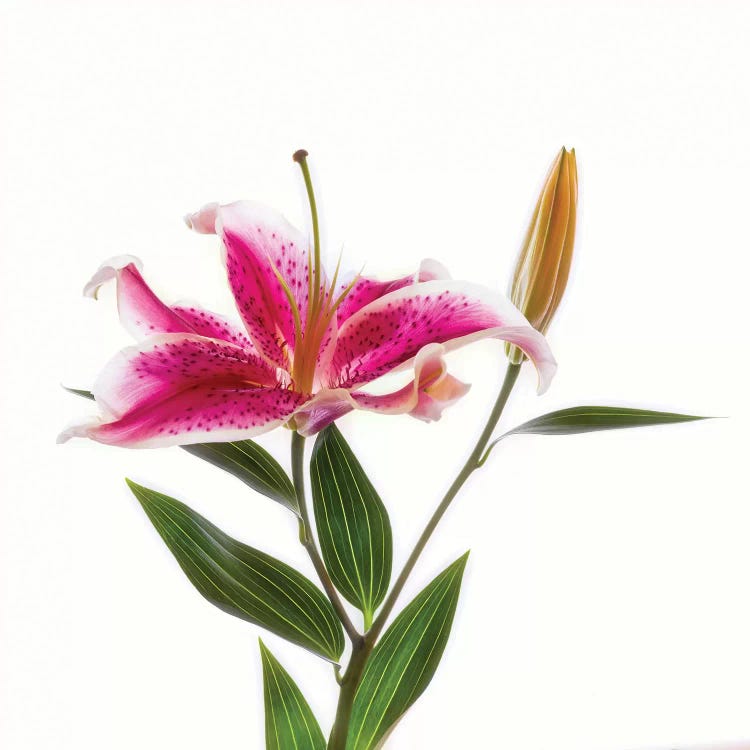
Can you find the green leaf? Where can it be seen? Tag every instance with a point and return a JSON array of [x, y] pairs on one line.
[[352, 522], [242, 580], [592, 418], [251, 464], [244, 459], [290, 723], [405, 660]]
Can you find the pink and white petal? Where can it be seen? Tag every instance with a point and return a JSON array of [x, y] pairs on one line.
[[178, 389], [211, 324], [528, 340], [202, 413], [432, 390], [108, 271], [324, 407], [203, 221], [388, 333], [432, 270], [169, 363], [256, 241], [367, 290], [143, 314]]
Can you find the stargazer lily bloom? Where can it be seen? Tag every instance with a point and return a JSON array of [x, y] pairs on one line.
[[308, 347]]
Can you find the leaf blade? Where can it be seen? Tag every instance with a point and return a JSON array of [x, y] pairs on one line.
[[580, 419], [244, 581], [290, 722], [353, 525], [405, 660]]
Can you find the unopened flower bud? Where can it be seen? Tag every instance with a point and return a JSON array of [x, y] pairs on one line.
[[544, 262]]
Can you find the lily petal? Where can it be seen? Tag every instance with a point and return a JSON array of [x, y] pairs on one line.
[[178, 389], [432, 390], [256, 241], [143, 314], [367, 290], [388, 333], [203, 221], [212, 325]]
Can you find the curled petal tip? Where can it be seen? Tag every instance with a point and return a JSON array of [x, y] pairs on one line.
[[203, 220], [432, 270], [80, 429], [107, 271], [546, 372]]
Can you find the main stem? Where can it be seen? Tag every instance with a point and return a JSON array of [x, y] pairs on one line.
[[361, 652], [308, 541], [349, 684]]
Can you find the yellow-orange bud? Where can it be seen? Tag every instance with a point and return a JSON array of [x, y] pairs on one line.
[[544, 262]]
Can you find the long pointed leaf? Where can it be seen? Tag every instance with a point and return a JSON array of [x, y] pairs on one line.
[[244, 459], [405, 660], [593, 418], [352, 522], [243, 581], [290, 723]]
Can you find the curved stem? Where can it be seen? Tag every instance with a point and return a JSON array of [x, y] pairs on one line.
[[361, 651], [308, 541], [471, 465]]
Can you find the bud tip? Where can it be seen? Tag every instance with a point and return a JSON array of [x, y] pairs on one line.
[[300, 155]]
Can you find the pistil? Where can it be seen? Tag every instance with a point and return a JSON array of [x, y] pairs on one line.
[[322, 302]]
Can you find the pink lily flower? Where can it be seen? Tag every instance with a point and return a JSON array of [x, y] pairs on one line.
[[307, 348]]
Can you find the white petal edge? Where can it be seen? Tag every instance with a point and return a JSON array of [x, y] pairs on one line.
[[108, 271]]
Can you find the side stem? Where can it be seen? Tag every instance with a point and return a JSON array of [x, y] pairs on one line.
[[308, 541], [361, 652], [471, 465]]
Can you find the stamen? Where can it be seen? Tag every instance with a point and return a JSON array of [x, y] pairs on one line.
[[332, 288], [344, 295], [292, 304]]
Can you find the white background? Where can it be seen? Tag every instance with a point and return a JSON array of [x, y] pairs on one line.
[[606, 600]]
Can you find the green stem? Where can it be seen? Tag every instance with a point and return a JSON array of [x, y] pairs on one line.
[[308, 540], [471, 465], [349, 684], [361, 652]]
